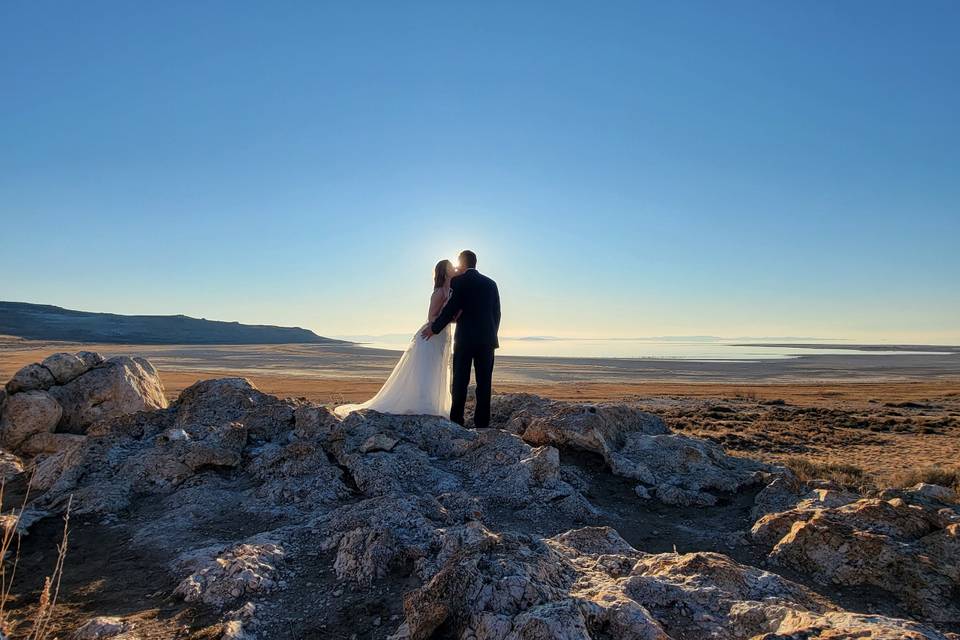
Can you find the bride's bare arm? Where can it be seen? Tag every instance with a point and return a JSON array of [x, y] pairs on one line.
[[437, 301]]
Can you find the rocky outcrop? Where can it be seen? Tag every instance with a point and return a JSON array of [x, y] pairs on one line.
[[66, 393], [911, 551], [590, 583], [262, 509], [635, 444]]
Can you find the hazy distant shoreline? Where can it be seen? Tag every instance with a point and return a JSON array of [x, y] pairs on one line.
[[931, 348]]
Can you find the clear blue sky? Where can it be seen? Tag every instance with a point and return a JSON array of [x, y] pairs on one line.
[[622, 169]]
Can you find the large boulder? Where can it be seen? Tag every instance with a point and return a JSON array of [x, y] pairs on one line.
[[64, 367], [28, 413], [31, 378], [119, 386]]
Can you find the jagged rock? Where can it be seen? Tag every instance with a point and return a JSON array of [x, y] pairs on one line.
[[240, 492], [589, 583], [780, 493], [786, 492], [65, 366], [220, 577], [33, 377], [119, 386], [225, 400], [378, 442], [672, 494], [312, 420], [101, 627], [377, 535], [945, 495], [28, 413], [634, 443], [299, 472], [589, 427], [436, 457], [115, 466], [911, 551], [3, 400], [48, 469]]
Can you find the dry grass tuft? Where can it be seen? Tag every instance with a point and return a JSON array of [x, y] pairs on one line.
[[848, 476], [40, 622], [51, 585], [930, 474]]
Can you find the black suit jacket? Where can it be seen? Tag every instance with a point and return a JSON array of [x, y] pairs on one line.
[[478, 298]]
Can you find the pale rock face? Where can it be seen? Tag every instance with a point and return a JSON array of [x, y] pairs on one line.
[[911, 551], [28, 413], [119, 386], [64, 367], [32, 377]]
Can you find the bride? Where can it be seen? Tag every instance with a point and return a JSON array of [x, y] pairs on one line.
[[420, 383]]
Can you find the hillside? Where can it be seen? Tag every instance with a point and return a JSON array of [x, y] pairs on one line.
[[47, 322]]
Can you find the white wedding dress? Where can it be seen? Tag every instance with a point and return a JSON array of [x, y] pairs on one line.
[[419, 384]]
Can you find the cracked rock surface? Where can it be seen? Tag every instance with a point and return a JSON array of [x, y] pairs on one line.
[[236, 514]]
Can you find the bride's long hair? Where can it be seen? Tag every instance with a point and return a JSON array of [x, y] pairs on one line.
[[440, 273]]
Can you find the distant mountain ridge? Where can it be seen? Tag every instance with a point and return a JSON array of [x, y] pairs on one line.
[[47, 322]]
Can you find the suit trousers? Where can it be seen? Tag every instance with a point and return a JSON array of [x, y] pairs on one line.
[[480, 357]]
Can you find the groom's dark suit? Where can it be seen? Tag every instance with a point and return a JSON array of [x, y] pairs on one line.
[[477, 299]]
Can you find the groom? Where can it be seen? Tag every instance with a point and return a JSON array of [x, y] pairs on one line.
[[476, 298]]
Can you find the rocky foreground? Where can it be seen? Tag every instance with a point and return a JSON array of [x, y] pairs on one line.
[[257, 517]]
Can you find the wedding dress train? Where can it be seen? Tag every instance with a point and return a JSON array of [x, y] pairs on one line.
[[419, 384]]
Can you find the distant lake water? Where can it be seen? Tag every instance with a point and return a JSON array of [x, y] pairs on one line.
[[705, 349]]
